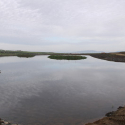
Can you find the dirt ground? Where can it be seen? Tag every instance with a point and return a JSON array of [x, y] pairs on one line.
[[112, 118]]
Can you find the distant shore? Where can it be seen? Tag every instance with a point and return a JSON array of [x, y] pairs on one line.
[[116, 56]]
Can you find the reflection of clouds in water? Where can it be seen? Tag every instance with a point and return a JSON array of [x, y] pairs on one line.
[[14, 59], [92, 63], [22, 82], [12, 92], [74, 87], [11, 59]]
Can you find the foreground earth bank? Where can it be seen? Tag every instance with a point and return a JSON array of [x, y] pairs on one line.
[[112, 118]]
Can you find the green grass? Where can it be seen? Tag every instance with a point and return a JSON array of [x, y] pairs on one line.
[[63, 57]]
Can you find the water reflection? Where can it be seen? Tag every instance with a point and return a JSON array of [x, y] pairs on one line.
[[50, 92]]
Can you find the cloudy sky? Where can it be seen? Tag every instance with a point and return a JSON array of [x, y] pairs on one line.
[[62, 25]]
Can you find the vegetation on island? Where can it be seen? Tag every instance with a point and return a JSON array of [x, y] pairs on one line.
[[66, 57], [113, 56], [27, 55]]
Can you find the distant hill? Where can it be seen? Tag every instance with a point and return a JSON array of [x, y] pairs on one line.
[[85, 51], [89, 51]]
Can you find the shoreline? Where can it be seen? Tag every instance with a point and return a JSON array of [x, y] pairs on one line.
[[115, 57], [3, 122], [110, 57], [112, 118]]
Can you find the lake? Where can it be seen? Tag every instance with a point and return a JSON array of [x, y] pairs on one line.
[[43, 91]]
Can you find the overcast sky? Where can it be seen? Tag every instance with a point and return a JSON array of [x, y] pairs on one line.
[[62, 25]]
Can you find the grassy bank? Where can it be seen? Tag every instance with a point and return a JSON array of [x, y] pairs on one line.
[[22, 53]]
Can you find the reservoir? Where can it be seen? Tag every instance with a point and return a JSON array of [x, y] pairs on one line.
[[43, 91]]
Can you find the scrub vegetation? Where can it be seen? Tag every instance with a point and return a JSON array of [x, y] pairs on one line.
[[20, 53], [66, 57]]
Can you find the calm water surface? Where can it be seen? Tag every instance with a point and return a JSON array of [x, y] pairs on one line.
[[41, 91]]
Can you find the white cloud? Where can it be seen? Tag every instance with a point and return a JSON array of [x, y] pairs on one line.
[[62, 24]]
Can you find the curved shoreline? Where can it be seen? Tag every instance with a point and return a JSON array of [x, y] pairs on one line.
[[110, 57], [112, 118], [3, 122]]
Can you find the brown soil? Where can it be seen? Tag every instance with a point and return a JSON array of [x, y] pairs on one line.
[[112, 118], [117, 57]]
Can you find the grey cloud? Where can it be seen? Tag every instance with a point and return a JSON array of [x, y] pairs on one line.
[[91, 23]]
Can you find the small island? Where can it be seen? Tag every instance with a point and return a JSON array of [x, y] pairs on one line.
[[66, 57], [26, 55]]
